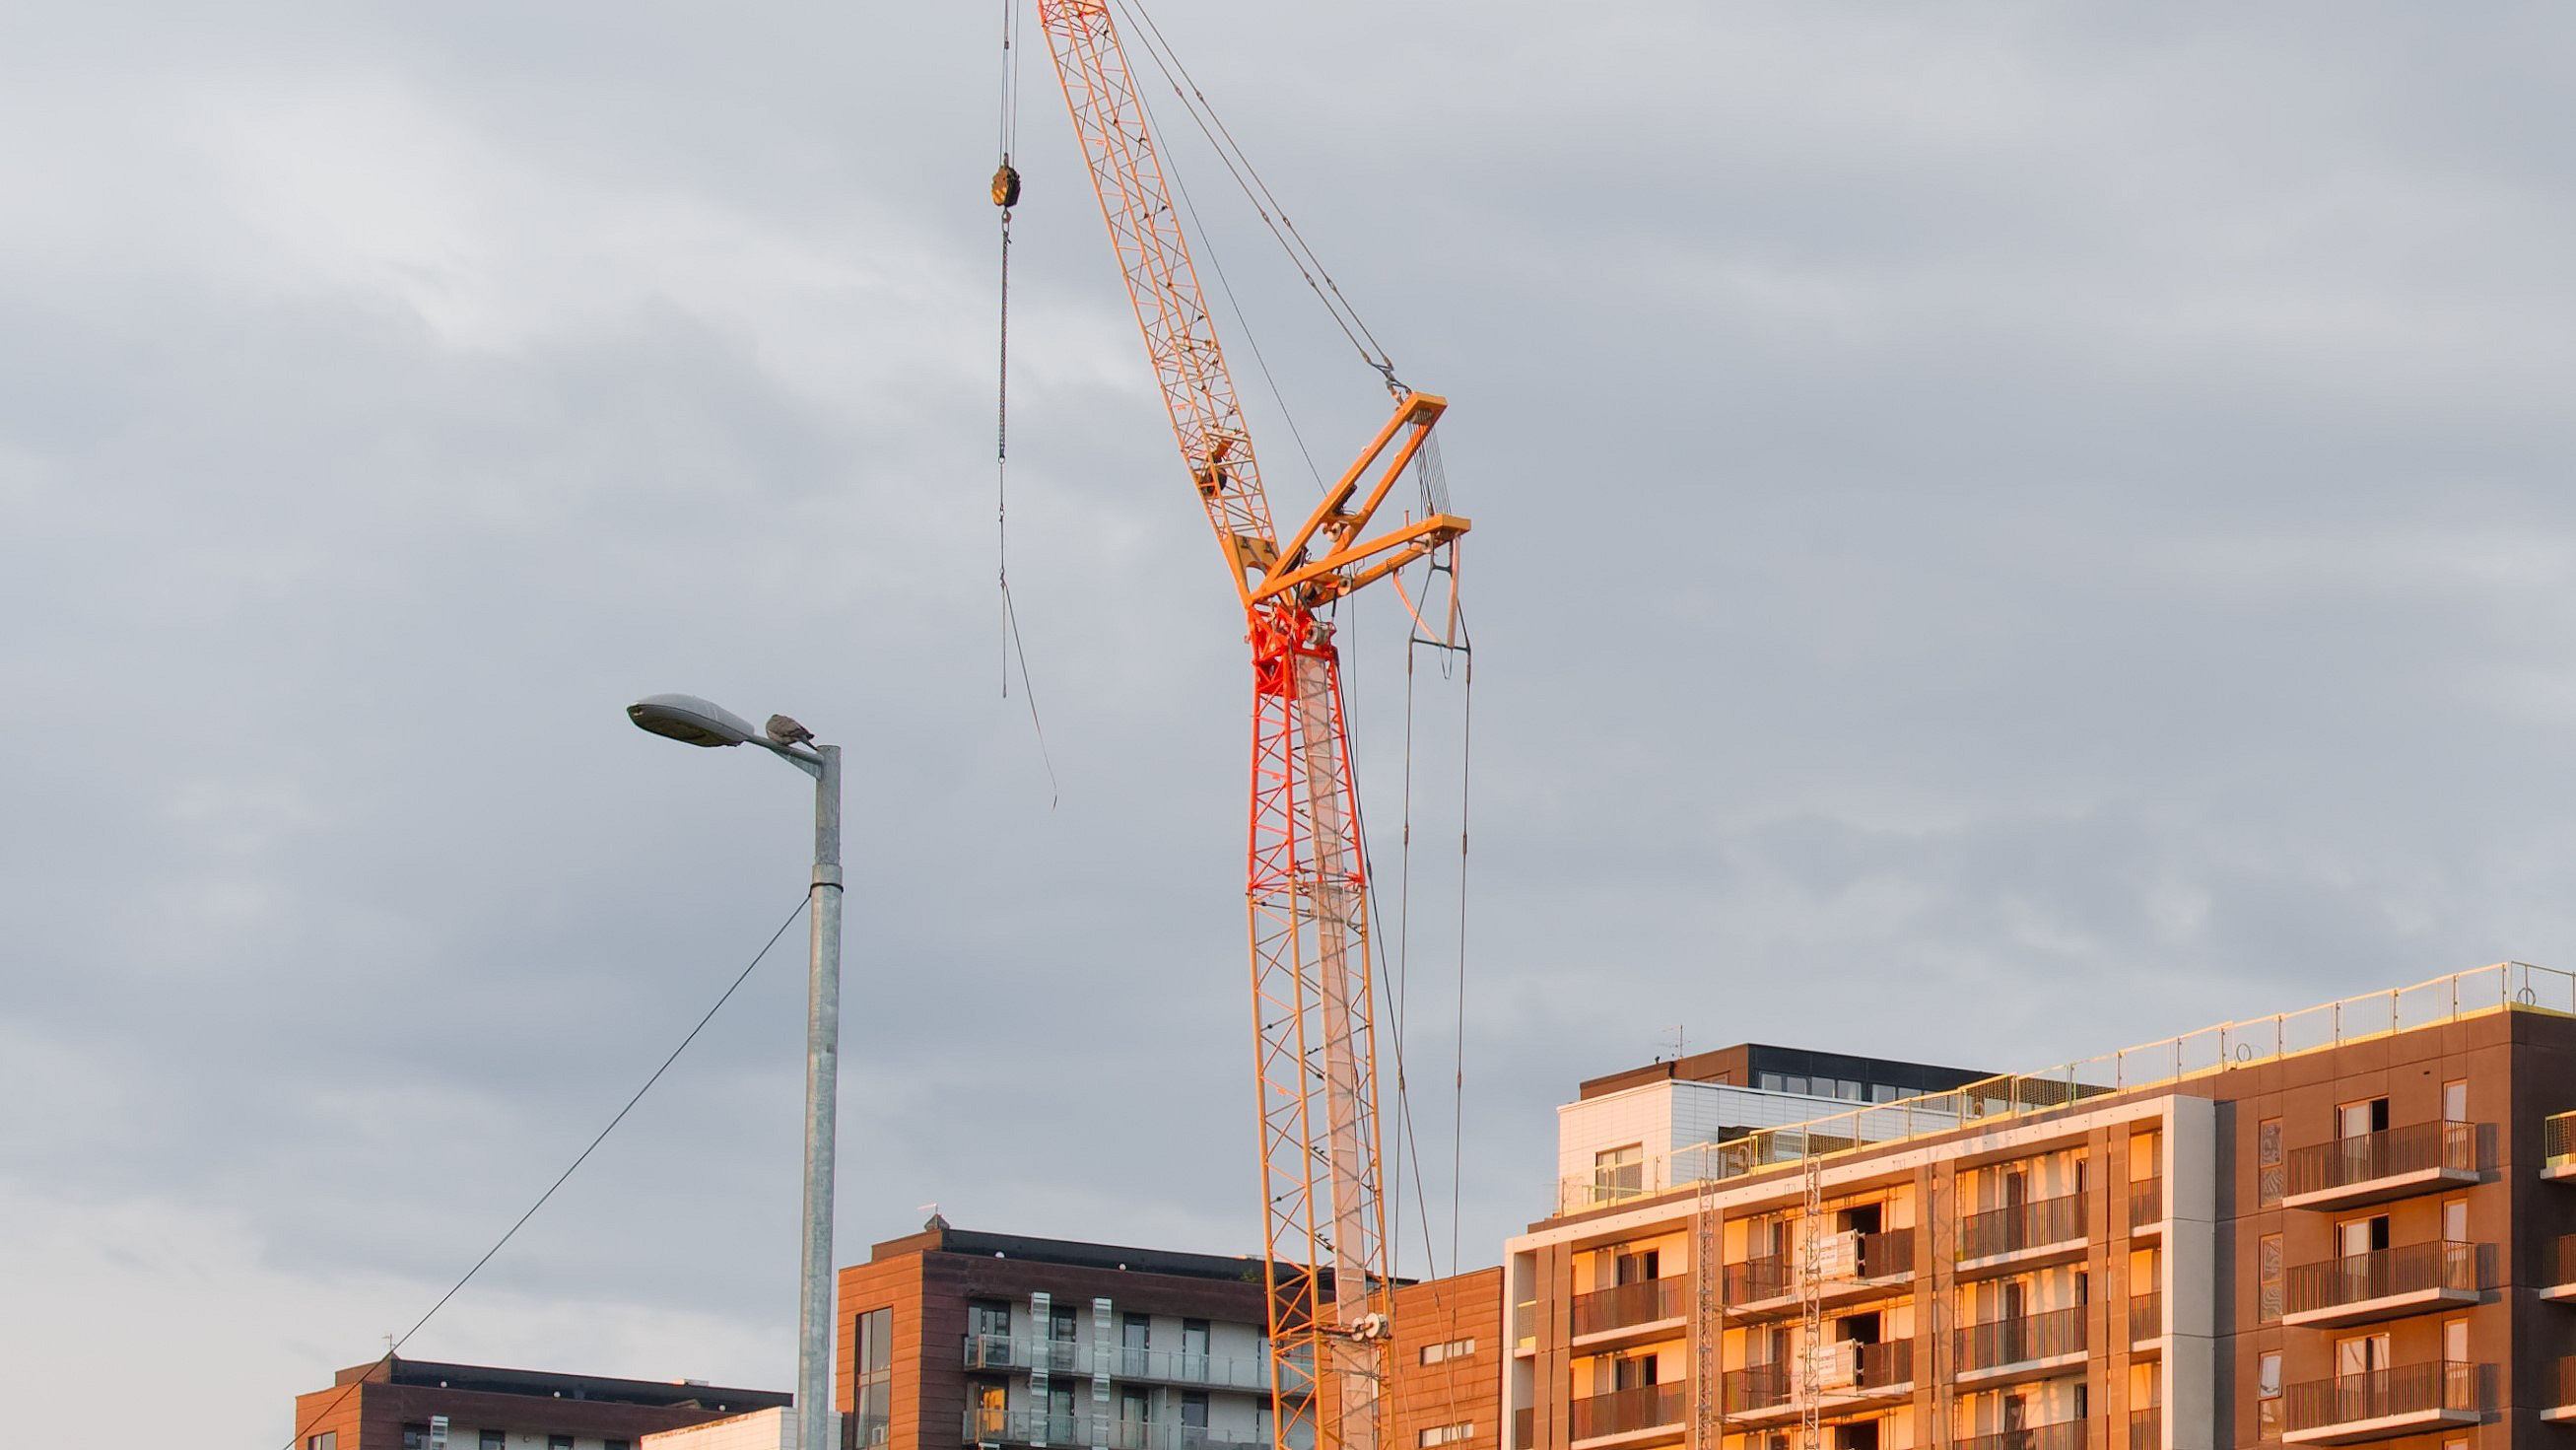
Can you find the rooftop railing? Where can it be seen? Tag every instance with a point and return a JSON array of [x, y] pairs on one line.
[[1174, 1366], [2499, 987]]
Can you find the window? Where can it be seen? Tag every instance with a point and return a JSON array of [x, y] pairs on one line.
[[1194, 1350], [616, 1445], [2362, 1354], [2455, 1100], [1194, 1409], [2267, 1279], [1135, 1338], [2455, 1220], [1632, 1371], [1636, 1268], [988, 1317], [327, 1440], [494, 1440], [558, 1442], [2267, 1162], [1447, 1434], [2267, 1395], [416, 1437], [1447, 1349], [1060, 1324], [1136, 1407], [2361, 1119], [2355, 1237], [2455, 1341], [872, 1394], [1059, 1412], [1620, 1170]]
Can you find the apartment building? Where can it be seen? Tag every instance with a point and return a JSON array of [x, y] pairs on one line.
[[953, 1338], [956, 1338], [413, 1404], [1445, 1366], [2351, 1224]]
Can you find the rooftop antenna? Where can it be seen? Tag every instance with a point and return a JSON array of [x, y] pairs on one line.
[[1679, 1046]]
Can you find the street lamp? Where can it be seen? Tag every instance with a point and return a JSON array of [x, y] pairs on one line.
[[693, 721]]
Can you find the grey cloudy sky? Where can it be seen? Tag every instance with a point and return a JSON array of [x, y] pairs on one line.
[[2002, 531]]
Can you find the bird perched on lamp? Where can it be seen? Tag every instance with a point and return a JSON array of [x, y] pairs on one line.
[[787, 732]]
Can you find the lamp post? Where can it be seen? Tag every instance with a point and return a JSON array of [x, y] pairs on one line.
[[693, 721]]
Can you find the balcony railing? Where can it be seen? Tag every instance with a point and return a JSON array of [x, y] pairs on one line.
[[2022, 1226], [1754, 1280], [1620, 1412], [1629, 1305], [2000, 1342], [1038, 1427], [2558, 1141], [2063, 1435], [2146, 1201], [2436, 1149], [1170, 1366], [1763, 1387], [2146, 1316], [2387, 1274], [1885, 1255], [2146, 1428], [2423, 1392], [1886, 1364]]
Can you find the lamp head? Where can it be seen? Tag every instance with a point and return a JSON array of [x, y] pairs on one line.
[[690, 720]]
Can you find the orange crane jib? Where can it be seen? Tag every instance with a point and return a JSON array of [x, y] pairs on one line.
[[1306, 891]]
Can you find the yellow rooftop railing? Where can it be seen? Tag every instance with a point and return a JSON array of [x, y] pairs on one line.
[[2498, 987]]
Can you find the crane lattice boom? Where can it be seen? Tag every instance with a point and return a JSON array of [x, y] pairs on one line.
[[1306, 887]]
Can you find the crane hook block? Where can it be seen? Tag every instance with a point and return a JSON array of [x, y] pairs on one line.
[[1006, 186]]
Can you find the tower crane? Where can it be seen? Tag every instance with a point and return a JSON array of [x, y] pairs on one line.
[[1306, 884]]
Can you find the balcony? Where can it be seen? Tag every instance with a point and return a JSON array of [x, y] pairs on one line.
[[1628, 1415], [1608, 1314], [2376, 1167], [1849, 1375], [2012, 1348], [1037, 1427], [2147, 1429], [2385, 1283], [2146, 1317], [1163, 1366], [2383, 1404], [2558, 1269], [1753, 1283], [2064, 1435], [2558, 1146], [2146, 1206], [2022, 1235], [2562, 1398]]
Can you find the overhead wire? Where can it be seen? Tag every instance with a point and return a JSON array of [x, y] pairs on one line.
[[394, 1343]]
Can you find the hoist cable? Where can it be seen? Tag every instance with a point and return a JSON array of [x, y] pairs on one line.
[[1309, 266], [1006, 194], [1242, 323]]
